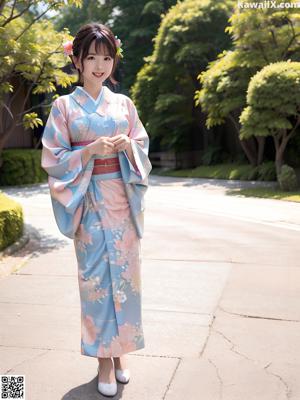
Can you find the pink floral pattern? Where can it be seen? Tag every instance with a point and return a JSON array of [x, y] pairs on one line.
[[102, 213], [89, 330]]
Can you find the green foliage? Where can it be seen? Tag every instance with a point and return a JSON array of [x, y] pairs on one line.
[[223, 88], [135, 22], [11, 221], [273, 100], [212, 155], [190, 35], [223, 171], [266, 171], [31, 56], [287, 178], [21, 166], [266, 35], [263, 172], [31, 120], [73, 17], [259, 37]]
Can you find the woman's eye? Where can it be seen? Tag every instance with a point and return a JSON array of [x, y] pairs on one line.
[[107, 58]]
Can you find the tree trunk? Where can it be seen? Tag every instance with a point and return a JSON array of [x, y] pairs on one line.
[[261, 140], [278, 162], [248, 145], [280, 146], [248, 150]]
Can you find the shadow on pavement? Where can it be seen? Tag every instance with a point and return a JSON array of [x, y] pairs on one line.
[[158, 180], [26, 190], [40, 242]]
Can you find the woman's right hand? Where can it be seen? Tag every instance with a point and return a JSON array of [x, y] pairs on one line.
[[101, 146]]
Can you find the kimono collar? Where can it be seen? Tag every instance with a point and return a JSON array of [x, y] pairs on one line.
[[91, 105]]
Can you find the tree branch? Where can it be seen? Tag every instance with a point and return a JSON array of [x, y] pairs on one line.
[[34, 20], [274, 38], [11, 18], [292, 132], [14, 95], [261, 48], [284, 53], [234, 122], [8, 110], [37, 106], [12, 10]]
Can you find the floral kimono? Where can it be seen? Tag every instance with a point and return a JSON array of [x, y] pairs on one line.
[[100, 205]]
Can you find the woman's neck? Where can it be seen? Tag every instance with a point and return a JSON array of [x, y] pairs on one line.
[[94, 92]]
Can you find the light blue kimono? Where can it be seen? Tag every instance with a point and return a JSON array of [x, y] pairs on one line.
[[103, 213]]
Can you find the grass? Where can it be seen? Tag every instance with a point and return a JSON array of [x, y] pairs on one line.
[[267, 193], [230, 172], [220, 171]]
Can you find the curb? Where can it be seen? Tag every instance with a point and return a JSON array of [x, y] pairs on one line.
[[18, 245]]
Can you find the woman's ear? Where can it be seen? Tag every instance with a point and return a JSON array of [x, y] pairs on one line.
[[76, 62]]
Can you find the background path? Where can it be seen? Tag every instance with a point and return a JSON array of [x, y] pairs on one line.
[[221, 306]]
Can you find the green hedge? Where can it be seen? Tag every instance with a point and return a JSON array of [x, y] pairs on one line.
[[11, 221], [21, 166]]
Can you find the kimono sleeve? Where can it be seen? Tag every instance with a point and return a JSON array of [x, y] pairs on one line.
[[136, 180], [68, 179], [140, 148]]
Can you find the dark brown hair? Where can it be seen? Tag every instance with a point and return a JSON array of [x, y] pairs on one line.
[[103, 37]]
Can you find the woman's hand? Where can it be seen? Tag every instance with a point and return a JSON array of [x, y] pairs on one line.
[[102, 146], [121, 142]]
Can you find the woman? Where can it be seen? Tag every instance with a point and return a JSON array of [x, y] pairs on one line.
[[95, 151]]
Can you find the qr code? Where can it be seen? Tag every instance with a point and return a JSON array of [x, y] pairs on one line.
[[12, 387]]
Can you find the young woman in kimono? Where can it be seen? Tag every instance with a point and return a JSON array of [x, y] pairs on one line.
[[95, 151]]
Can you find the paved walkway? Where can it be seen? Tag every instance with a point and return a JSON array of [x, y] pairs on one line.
[[221, 305]]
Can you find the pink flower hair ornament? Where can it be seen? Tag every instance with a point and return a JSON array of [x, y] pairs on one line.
[[68, 47], [119, 48]]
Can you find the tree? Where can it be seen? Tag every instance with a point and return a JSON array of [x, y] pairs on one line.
[[265, 35], [31, 60], [222, 96], [73, 17], [135, 22], [273, 109], [190, 35], [259, 37]]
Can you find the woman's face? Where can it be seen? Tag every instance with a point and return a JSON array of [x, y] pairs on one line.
[[97, 67]]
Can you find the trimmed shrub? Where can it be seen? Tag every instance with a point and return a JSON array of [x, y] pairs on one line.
[[11, 221], [21, 166], [287, 178], [266, 171], [273, 106]]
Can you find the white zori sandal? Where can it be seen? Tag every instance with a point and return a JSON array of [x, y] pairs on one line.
[[107, 389], [122, 375]]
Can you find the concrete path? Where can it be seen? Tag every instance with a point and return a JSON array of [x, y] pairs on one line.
[[221, 304]]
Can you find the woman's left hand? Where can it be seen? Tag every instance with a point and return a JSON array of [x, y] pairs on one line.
[[121, 142]]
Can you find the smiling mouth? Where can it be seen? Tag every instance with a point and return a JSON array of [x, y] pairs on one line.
[[98, 75]]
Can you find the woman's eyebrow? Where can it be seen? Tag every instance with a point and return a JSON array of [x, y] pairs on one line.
[[95, 54]]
